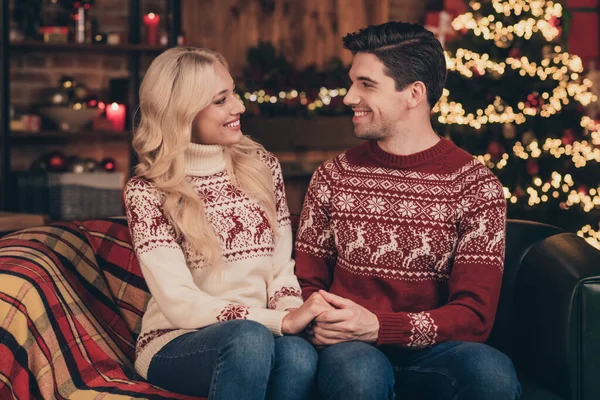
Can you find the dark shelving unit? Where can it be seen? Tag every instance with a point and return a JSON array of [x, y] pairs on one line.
[[43, 136], [4, 106], [32, 45], [134, 50]]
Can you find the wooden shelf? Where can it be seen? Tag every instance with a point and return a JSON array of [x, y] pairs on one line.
[[10, 222], [75, 47], [82, 135]]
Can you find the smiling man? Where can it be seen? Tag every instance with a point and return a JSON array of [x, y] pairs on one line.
[[404, 235]]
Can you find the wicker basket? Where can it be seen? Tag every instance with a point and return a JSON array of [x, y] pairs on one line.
[[69, 196]]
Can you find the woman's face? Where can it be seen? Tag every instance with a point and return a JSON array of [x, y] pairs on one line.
[[219, 123]]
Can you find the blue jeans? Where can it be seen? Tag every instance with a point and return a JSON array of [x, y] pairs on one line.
[[236, 359], [454, 370]]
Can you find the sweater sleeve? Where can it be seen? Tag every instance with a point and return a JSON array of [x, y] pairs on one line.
[[166, 272], [284, 290], [475, 280], [316, 252]]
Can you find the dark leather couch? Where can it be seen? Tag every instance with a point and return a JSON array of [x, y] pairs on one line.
[[548, 319]]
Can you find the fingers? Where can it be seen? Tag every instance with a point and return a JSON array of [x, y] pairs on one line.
[[341, 334], [335, 300], [315, 342], [329, 338], [335, 316], [322, 337], [317, 305]]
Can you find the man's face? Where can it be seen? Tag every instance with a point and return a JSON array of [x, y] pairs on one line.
[[378, 107]]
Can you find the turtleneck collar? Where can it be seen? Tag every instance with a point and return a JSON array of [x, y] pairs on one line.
[[203, 159], [410, 160]]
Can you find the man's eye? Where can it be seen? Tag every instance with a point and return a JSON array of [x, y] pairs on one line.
[[365, 84]]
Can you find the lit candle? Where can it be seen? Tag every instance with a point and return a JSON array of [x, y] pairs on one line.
[[115, 113], [151, 21]]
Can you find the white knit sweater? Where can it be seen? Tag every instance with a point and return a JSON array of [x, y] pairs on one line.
[[257, 280]]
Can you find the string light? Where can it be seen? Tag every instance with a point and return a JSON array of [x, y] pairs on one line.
[[541, 192], [567, 67], [561, 67], [590, 235], [592, 129], [323, 99], [451, 112], [580, 152], [503, 36]]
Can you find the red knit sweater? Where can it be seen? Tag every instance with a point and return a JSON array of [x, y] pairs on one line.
[[418, 240]]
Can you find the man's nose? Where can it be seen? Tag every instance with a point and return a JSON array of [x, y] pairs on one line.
[[350, 98]]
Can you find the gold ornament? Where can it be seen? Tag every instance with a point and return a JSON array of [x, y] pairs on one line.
[[509, 131]]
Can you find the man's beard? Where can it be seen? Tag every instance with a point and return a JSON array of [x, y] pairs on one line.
[[370, 132]]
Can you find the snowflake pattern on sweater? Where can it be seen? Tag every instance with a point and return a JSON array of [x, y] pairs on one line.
[[256, 280], [421, 245]]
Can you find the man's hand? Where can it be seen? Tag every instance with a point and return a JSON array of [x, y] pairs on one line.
[[349, 321], [299, 318]]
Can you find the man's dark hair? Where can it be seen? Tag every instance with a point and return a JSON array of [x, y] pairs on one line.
[[409, 52]]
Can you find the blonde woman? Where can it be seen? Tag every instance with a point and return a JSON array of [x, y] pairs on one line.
[[211, 230]]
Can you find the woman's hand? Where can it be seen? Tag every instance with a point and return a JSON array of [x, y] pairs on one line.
[[299, 318]]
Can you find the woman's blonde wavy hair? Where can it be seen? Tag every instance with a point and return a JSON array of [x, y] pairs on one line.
[[177, 86]]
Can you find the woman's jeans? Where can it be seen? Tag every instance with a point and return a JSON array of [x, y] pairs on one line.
[[236, 359]]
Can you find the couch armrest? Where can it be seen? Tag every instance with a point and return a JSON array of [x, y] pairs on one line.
[[557, 321]]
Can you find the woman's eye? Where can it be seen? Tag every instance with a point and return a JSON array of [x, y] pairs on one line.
[[221, 101]]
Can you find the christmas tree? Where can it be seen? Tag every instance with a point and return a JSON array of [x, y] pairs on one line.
[[516, 98]]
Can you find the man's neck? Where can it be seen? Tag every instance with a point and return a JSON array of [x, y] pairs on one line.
[[407, 141]]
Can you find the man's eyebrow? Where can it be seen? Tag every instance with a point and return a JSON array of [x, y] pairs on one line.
[[366, 78]]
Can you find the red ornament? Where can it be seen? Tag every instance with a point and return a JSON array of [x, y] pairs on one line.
[[475, 72], [515, 52], [583, 190], [496, 150], [532, 167], [568, 137], [109, 164], [519, 192], [534, 100], [57, 162], [554, 21], [253, 109]]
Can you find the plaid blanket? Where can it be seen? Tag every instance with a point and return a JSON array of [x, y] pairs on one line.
[[71, 300]]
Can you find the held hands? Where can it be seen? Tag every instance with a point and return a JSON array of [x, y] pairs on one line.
[[346, 322], [299, 318]]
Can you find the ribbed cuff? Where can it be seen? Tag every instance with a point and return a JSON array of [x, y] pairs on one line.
[[288, 302], [272, 319], [392, 328]]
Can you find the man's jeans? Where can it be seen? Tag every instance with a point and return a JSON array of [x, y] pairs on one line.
[[454, 370], [236, 360]]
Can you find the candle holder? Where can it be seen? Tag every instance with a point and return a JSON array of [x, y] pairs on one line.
[[151, 22]]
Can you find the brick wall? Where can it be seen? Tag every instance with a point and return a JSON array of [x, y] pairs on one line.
[[407, 10], [33, 73]]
